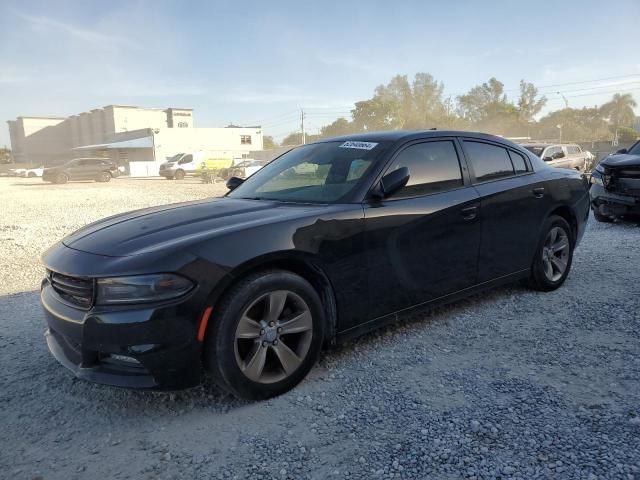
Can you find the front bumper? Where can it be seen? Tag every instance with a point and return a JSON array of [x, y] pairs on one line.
[[612, 204], [148, 347]]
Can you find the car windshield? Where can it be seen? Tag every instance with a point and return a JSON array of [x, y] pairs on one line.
[[635, 149], [536, 150], [321, 172]]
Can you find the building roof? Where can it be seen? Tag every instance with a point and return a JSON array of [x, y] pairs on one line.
[[142, 142]]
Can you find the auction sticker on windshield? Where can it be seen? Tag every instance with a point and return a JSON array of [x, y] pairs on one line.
[[359, 145]]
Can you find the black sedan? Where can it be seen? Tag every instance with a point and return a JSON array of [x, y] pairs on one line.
[[328, 241]]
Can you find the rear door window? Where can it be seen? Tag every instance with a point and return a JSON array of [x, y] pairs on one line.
[[489, 162]]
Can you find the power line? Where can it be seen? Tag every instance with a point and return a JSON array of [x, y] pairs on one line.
[[597, 93], [581, 82], [555, 85]]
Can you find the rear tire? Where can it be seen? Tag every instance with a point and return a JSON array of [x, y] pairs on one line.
[[273, 319], [179, 175], [61, 178], [31, 175], [554, 255]]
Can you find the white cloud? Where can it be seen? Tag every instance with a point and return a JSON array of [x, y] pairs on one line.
[[91, 36]]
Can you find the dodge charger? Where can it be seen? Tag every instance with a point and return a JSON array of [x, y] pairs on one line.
[[326, 242]]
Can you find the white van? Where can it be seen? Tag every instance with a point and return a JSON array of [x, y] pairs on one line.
[[183, 164]]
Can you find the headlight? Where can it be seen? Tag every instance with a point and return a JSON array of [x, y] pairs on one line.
[[596, 179], [141, 288], [599, 168]]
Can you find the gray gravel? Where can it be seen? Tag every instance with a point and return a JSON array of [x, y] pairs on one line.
[[509, 384]]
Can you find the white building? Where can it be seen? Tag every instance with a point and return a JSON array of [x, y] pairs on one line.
[[138, 138]]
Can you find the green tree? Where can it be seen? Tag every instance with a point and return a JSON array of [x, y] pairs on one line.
[[619, 110], [376, 114], [627, 134], [5, 155], [585, 124], [529, 104], [483, 102], [341, 126], [295, 138], [268, 143]]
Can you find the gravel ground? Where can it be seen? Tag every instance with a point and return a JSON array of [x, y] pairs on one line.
[[508, 384]]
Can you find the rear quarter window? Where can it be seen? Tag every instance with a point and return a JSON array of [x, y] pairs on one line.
[[519, 162]]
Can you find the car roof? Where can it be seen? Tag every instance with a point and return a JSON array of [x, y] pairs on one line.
[[396, 135], [549, 144]]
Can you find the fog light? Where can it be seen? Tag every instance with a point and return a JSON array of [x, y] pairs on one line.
[[123, 358]]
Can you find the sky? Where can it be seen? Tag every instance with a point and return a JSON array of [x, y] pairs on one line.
[[260, 63]]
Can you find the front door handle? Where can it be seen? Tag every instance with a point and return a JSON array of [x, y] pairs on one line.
[[538, 192], [469, 213]]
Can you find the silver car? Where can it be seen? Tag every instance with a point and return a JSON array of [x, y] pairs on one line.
[[561, 155]]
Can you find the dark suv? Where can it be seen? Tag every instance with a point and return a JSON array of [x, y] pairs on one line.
[[615, 185], [98, 169]]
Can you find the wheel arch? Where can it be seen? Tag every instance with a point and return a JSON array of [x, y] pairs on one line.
[[306, 266], [569, 215]]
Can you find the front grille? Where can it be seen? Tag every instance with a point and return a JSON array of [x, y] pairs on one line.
[[629, 173], [77, 291]]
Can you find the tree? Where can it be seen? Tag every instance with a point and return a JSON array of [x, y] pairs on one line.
[[376, 114], [341, 126], [402, 104], [5, 155], [619, 110], [268, 143], [483, 102], [295, 138], [585, 124], [528, 103]]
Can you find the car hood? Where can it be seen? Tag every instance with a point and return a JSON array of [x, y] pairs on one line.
[[176, 225], [621, 160]]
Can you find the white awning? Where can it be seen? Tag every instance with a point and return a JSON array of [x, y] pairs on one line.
[[142, 142]]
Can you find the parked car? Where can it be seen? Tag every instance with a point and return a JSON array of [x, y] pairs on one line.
[[559, 155], [98, 169], [33, 172], [16, 172], [251, 285], [246, 168], [615, 185], [184, 164]]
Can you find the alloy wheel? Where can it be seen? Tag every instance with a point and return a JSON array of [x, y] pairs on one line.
[[273, 336], [555, 253]]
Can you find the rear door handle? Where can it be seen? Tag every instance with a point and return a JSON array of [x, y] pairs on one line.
[[538, 192], [469, 213]]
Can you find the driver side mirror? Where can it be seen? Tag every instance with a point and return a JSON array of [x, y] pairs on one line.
[[391, 183], [234, 182], [622, 151]]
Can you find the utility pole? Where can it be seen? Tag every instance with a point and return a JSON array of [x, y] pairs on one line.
[[304, 140]]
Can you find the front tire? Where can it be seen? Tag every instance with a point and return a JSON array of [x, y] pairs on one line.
[[103, 177], [179, 175], [554, 255], [600, 217], [265, 336]]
